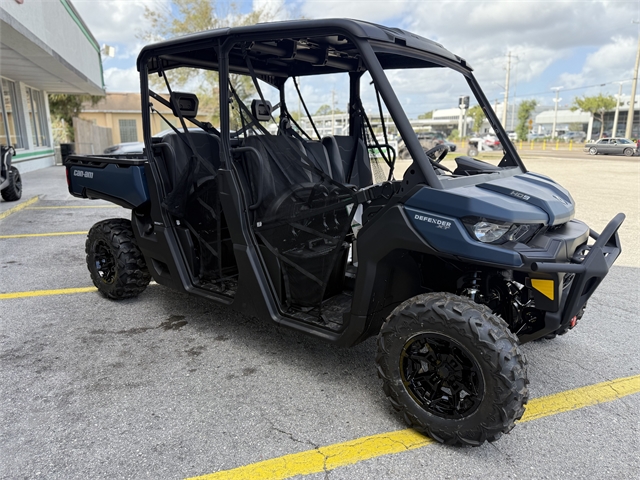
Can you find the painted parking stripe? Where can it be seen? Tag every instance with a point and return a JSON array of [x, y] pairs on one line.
[[44, 293], [51, 234], [354, 451], [58, 207], [19, 207]]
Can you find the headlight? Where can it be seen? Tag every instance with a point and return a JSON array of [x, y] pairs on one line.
[[487, 230]]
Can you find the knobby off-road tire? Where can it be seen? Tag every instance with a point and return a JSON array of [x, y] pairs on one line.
[[114, 260], [452, 368], [13, 191]]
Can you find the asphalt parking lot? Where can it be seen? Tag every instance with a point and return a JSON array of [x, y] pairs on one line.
[[170, 386]]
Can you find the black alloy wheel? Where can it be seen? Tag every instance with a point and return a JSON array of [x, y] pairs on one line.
[[452, 368], [115, 262], [105, 262], [441, 375]]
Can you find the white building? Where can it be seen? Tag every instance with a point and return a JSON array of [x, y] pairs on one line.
[[45, 47], [563, 119]]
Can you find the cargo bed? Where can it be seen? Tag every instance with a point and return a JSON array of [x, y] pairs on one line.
[[119, 179]]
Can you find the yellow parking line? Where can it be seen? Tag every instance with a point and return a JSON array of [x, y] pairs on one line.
[[354, 451], [43, 293], [73, 206], [52, 234], [19, 207]]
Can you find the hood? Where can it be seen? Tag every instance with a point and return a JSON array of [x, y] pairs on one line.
[[525, 198]]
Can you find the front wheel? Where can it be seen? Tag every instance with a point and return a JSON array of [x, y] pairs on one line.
[[593, 151], [114, 260], [13, 191], [628, 152], [453, 369]]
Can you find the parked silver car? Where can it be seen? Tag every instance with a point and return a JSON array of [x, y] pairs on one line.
[[611, 146], [574, 136], [124, 148]]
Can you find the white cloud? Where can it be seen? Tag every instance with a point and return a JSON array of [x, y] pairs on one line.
[[609, 63], [538, 33], [275, 10], [370, 10], [122, 80], [116, 21]]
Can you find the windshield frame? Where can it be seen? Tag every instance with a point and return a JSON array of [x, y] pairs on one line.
[[514, 164]]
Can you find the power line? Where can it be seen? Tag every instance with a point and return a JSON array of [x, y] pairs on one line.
[[546, 92]]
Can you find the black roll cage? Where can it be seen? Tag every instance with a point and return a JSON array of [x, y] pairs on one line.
[[368, 48]]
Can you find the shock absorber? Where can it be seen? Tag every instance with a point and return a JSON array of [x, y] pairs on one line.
[[473, 291]]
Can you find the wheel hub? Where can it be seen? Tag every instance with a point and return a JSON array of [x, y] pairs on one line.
[[105, 263], [441, 375]]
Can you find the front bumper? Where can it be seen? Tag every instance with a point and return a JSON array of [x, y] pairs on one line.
[[574, 281]]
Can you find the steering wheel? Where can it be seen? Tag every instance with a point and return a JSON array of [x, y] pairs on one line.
[[431, 152], [436, 161]]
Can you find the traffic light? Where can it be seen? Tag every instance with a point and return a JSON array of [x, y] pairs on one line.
[[463, 102]]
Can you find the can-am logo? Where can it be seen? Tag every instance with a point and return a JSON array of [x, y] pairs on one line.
[[445, 225], [519, 195], [82, 173]]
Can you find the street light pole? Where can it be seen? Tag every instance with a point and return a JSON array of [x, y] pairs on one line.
[[555, 111], [628, 130]]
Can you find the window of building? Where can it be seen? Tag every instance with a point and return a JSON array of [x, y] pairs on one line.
[[37, 117], [128, 131], [10, 132]]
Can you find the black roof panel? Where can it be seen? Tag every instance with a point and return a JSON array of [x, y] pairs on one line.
[[301, 29]]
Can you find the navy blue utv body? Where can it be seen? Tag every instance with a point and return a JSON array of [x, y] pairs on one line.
[[314, 224]]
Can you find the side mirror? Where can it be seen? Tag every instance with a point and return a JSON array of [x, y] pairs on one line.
[[186, 102], [261, 110]]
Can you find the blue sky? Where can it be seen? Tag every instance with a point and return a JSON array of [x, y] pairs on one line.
[[573, 44]]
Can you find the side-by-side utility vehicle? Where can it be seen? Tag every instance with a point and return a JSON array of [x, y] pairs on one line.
[[316, 226], [10, 181]]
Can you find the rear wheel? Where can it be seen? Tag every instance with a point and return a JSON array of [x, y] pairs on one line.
[[452, 368], [593, 151], [13, 191], [628, 152], [114, 260]]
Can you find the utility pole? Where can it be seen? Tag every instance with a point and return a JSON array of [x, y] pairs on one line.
[[506, 92], [555, 111], [614, 129], [333, 111], [628, 130]]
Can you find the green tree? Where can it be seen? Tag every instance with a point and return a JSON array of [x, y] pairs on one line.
[[66, 107], [596, 106], [190, 16], [525, 110], [326, 110], [477, 115], [426, 116]]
